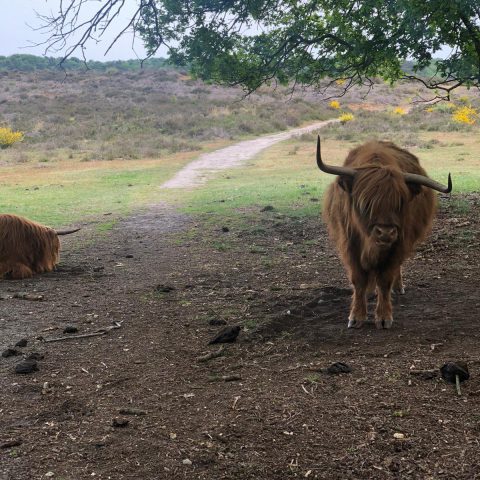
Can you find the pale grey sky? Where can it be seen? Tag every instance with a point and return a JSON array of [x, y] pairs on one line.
[[16, 34]]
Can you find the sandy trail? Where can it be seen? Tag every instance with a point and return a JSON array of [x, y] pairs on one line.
[[199, 171]]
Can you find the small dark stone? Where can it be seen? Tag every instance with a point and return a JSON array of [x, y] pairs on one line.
[[34, 356], [98, 269], [338, 367], [225, 229], [128, 255], [164, 288], [451, 369], [27, 366], [267, 208], [226, 335], [70, 329], [10, 352], [217, 321], [120, 422], [22, 343]]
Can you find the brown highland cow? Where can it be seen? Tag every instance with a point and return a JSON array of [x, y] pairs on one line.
[[377, 211], [27, 247]]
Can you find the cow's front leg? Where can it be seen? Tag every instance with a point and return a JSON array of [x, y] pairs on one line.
[[398, 286], [358, 308], [383, 312]]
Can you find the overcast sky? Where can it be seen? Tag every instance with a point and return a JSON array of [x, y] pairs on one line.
[[17, 18]]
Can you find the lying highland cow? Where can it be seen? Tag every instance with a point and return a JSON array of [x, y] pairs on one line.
[[27, 247], [378, 210]]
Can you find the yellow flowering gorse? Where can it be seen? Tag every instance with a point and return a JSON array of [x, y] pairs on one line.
[[399, 111], [8, 137], [346, 117], [467, 115], [334, 104]]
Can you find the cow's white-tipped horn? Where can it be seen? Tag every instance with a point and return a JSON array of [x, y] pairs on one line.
[[67, 232], [428, 182], [331, 168]]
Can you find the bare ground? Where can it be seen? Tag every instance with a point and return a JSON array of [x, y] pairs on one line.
[[283, 416]]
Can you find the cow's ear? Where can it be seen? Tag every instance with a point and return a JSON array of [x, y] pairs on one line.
[[345, 182], [414, 188]]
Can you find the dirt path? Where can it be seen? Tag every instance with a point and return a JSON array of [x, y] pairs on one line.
[[199, 171]]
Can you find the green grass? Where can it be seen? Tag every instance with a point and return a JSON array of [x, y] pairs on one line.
[[106, 226], [73, 193]]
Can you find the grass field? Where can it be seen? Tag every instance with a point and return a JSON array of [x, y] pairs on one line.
[[70, 192]]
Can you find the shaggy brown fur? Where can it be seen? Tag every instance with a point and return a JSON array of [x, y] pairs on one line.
[[376, 220], [26, 247]]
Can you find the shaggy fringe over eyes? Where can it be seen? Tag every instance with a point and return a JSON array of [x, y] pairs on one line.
[[377, 190]]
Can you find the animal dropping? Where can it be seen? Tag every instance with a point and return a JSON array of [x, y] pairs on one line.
[[27, 248], [378, 210]]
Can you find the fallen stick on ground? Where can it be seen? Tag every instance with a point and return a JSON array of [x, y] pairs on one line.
[[102, 331], [28, 296], [211, 355], [422, 372]]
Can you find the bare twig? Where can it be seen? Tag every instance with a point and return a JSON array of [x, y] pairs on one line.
[[28, 296], [457, 385], [422, 372], [211, 355], [98, 333], [132, 411], [226, 378], [11, 443]]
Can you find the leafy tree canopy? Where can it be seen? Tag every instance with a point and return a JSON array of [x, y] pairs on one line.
[[252, 42]]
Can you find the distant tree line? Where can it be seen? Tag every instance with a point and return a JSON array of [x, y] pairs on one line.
[[430, 71], [30, 63]]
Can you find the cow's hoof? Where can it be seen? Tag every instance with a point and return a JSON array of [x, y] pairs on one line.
[[384, 323], [399, 291], [353, 323]]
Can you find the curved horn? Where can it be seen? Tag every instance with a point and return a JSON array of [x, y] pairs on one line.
[[66, 232], [428, 182], [330, 168]]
